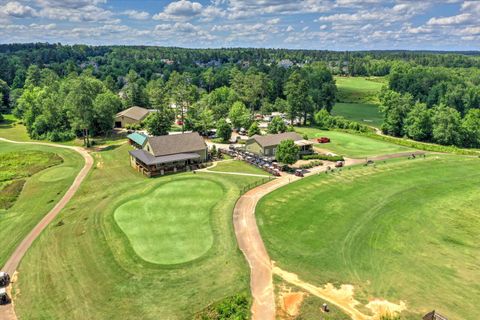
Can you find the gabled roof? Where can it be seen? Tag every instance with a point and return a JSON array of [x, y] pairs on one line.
[[148, 159], [135, 113], [433, 315], [176, 143], [275, 139], [138, 138]]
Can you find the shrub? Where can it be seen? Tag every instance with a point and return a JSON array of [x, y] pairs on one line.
[[311, 164], [235, 307], [322, 157], [57, 136]]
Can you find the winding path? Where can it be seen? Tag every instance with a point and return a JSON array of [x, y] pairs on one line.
[[7, 312], [251, 244]]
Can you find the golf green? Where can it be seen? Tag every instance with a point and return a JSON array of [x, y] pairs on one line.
[[56, 174], [405, 230], [171, 224]]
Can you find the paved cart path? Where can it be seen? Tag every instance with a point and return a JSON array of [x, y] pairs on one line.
[[7, 311], [251, 244]]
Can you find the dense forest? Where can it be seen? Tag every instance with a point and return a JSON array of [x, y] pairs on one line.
[[64, 91]]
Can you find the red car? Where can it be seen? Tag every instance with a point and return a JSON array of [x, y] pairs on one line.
[[299, 173], [323, 140]]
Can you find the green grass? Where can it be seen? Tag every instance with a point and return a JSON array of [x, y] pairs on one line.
[[359, 89], [37, 197], [405, 230], [367, 114], [88, 269], [171, 224], [238, 166], [350, 145]]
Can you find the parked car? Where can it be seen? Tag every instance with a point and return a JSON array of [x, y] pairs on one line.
[[323, 140], [299, 173], [276, 172], [339, 164], [242, 132]]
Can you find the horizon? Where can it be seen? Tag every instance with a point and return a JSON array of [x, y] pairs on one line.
[[333, 25]]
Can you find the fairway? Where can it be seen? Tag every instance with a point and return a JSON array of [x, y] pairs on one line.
[[405, 231], [171, 224], [90, 256], [38, 196], [350, 145], [367, 114], [359, 89]]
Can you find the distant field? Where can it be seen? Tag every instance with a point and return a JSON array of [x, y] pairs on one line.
[[90, 267], [359, 89], [350, 145], [367, 114], [405, 230]]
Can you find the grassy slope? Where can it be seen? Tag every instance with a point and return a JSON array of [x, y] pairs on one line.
[[37, 197], [367, 114], [415, 240], [238, 166], [167, 228], [87, 268], [359, 89], [350, 145]]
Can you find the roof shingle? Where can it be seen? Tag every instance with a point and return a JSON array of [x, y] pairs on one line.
[[275, 139], [176, 143], [135, 113]]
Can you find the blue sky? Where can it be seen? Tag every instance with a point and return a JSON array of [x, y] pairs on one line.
[[308, 24]]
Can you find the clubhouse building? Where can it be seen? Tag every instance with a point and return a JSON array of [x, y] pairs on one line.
[[160, 155], [266, 145]]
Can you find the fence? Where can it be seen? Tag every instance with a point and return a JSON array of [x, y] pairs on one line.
[[255, 184]]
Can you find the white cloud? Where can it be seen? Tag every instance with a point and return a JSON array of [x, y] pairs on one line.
[[136, 15], [273, 21], [458, 19], [290, 29], [179, 10], [17, 10]]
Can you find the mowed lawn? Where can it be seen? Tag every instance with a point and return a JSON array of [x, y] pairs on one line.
[[166, 228], [405, 230], [39, 194], [359, 89], [88, 268], [367, 114], [351, 145], [238, 167]]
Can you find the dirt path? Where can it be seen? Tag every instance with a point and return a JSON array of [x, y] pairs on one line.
[[7, 312], [251, 244]]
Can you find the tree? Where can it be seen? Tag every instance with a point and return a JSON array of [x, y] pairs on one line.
[[418, 123], [157, 94], [322, 118], [299, 101], [205, 121], [254, 129], [33, 77], [277, 125], [446, 125], [105, 106], [133, 90], [4, 96], [287, 152], [322, 87], [208, 77], [239, 115], [395, 107], [182, 92], [220, 101], [159, 123], [224, 130], [471, 128]]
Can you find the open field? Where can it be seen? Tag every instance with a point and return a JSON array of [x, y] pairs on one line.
[[88, 265], [367, 114], [405, 230], [350, 145], [29, 163], [359, 89], [237, 166]]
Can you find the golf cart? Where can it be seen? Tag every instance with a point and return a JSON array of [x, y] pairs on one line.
[[299, 173], [339, 164], [4, 279], [4, 299]]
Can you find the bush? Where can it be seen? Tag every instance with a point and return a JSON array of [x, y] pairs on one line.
[[235, 307], [311, 164], [322, 157], [58, 136]]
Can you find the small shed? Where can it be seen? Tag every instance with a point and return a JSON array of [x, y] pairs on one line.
[[433, 315], [137, 139]]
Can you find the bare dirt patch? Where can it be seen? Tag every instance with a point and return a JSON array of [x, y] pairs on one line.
[[343, 298], [290, 302]]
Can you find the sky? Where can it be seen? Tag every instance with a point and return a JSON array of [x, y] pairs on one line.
[[309, 24]]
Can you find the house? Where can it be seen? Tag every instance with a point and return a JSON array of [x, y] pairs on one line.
[[137, 139], [433, 315], [285, 63], [267, 145], [132, 115], [172, 153]]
